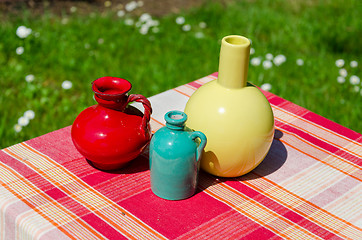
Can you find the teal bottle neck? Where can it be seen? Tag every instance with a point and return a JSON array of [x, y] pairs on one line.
[[175, 120]]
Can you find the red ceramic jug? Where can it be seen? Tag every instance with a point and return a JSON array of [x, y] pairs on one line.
[[112, 133]]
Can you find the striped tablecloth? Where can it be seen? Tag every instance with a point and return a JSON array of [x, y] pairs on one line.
[[308, 187]]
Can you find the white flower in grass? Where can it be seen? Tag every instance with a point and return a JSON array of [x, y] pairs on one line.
[[341, 79], [86, 45], [266, 86], [140, 3], [19, 50], [64, 21], [29, 114], [18, 128], [343, 72], [199, 35], [152, 23], [269, 56], [255, 61], [340, 63], [155, 23], [23, 121], [267, 64], [29, 78], [138, 24], [279, 59], [131, 6], [129, 22], [73, 9], [186, 27], [300, 62], [354, 80], [149, 23], [356, 88], [107, 3], [144, 29], [23, 32], [354, 64], [121, 13], [180, 20], [67, 84], [100, 41], [252, 51], [202, 25], [145, 17]]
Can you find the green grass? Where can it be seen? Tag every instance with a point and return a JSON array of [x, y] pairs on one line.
[[319, 32]]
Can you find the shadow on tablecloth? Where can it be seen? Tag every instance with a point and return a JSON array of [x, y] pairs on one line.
[[273, 161], [137, 165]]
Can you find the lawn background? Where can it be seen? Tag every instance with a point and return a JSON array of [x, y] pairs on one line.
[[81, 47]]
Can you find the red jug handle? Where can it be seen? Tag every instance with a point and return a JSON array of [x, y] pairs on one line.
[[147, 106]]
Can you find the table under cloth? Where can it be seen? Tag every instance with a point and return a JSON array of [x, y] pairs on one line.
[[307, 187]]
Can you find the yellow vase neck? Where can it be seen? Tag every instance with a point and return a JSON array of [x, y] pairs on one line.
[[234, 61]]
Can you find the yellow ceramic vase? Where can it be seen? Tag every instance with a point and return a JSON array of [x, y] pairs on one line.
[[236, 117]]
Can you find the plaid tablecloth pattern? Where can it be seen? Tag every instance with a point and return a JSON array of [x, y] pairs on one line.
[[308, 187]]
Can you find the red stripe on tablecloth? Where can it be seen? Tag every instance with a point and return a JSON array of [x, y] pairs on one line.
[[174, 218], [229, 225], [107, 230], [275, 100], [280, 209], [194, 84], [215, 74], [322, 144], [262, 234]]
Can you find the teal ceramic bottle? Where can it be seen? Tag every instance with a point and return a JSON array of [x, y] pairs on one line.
[[174, 158]]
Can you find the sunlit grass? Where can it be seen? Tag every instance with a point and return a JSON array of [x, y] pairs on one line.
[[78, 48]]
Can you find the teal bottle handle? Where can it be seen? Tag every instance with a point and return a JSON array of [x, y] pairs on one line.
[[200, 148]]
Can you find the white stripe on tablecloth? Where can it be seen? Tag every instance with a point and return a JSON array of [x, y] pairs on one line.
[[31, 224], [349, 205], [312, 180], [6, 200]]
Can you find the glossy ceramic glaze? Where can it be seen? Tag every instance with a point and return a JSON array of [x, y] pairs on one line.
[[236, 117], [174, 158], [112, 133]]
